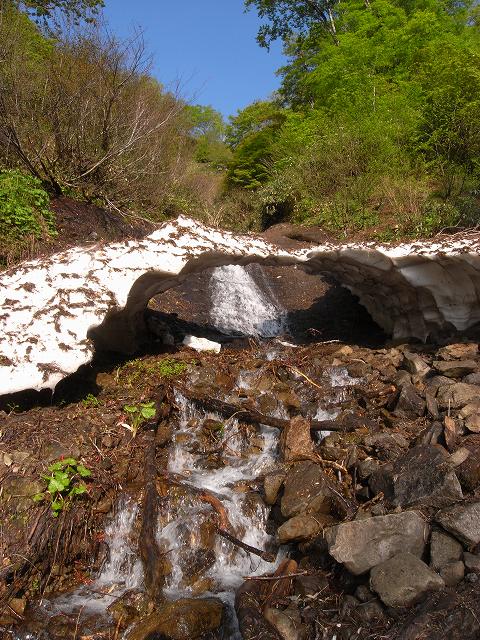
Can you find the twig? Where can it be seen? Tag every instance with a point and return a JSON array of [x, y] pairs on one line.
[[265, 555], [287, 575], [303, 375]]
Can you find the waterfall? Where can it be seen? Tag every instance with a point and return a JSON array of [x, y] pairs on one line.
[[241, 306]]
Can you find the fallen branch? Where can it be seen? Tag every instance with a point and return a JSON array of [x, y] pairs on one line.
[[265, 555], [252, 416]]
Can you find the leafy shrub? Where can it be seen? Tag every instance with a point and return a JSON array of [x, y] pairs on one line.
[[24, 207], [63, 483], [138, 415]]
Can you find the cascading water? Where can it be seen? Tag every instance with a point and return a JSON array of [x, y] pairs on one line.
[[240, 306]]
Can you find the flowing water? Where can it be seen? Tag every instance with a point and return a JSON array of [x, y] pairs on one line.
[[212, 457], [241, 306]]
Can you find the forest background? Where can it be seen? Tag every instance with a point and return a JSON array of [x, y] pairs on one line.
[[374, 132]]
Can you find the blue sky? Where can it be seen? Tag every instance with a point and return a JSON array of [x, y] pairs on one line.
[[209, 45]]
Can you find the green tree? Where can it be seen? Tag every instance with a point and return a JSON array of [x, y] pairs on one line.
[[79, 9]]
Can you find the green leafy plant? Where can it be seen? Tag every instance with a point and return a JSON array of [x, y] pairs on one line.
[[146, 370], [91, 401], [24, 206], [138, 414], [63, 483]]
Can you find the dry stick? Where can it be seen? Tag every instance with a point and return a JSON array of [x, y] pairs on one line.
[[265, 555], [252, 416], [287, 575]]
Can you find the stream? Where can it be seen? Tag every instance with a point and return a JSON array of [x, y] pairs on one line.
[[222, 457]]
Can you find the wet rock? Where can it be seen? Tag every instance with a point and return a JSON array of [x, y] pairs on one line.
[[457, 395], [463, 521], [453, 573], [183, 619], [443, 550], [272, 483], [409, 403], [306, 490], [472, 561], [295, 440], [455, 368], [288, 623], [415, 364], [404, 580], [422, 475], [363, 544], [303, 527], [104, 505], [15, 606]]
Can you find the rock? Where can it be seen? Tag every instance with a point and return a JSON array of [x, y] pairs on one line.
[[272, 483], [363, 593], [473, 423], [456, 368], [460, 350], [453, 573], [201, 344], [472, 561], [183, 619], [469, 409], [372, 610], [16, 606], [468, 471], [415, 364], [463, 521], [306, 490], [421, 475], [288, 623], [433, 384], [452, 430], [295, 440], [363, 544], [432, 405], [457, 395], [443, 550], [404, 580], [310, 585], [366, 467], [303, 527], [409, 403], [472, 378]]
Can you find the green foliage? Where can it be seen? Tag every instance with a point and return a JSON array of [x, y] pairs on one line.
[[24, 207], [91, 401], [145, 371], [46, 8], [64, 483], [139, 414]]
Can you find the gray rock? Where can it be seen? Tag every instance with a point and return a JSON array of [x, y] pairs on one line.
[[443, 550], [472, 561], [457, 395], [303, 527], [404, 580], [421, 475], [455, 368], [472, 378], [365, 468], [371, 610], [433, 384], [310, 585], [409, 403], [415, 364], [453, 573], [288, 623], [306, 490], [463, 521], [363, 544], [460, 350]]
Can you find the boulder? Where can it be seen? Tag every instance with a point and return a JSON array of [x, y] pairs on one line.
[[306, 490], [303, 527], [404, 580], [409, 403], [468, 471], [288, 623], [421, 475], [183, 619], [455, 368], [460, 350], [272, 483], [295, 441], [443, 550], [453, 573], [457, 395], [463, 521], [363, 544], [472, 561], [415, 364]]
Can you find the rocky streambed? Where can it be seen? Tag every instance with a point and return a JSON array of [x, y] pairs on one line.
[[356, 516]]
